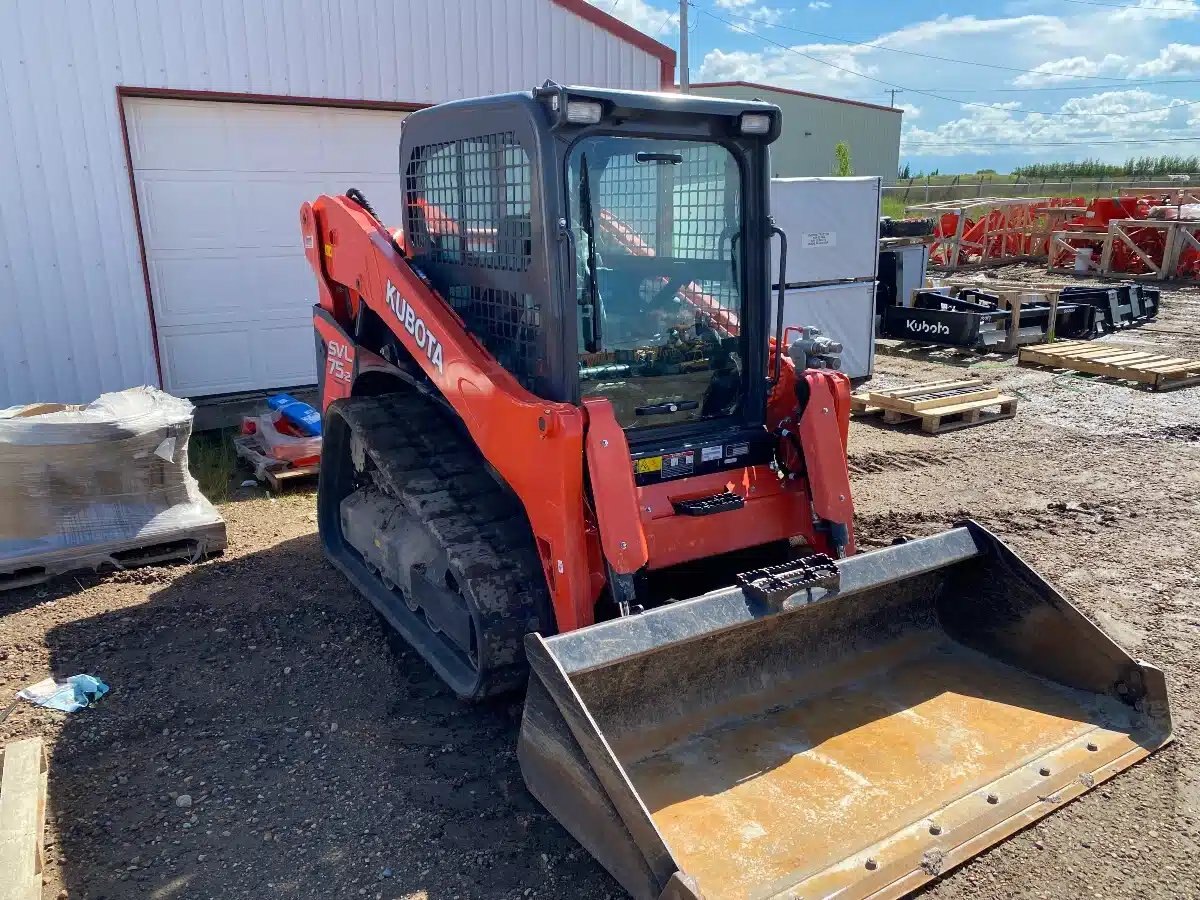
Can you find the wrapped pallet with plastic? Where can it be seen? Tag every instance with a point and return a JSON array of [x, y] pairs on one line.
[[102, 485]]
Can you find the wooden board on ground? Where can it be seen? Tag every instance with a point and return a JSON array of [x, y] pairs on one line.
[[23, 776], [938, 405], [1158, 371], [280, 478]]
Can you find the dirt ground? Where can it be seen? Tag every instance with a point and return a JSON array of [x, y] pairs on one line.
[[323, 760]]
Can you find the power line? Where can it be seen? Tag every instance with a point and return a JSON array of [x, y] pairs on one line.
[[950, 59], [966, 142], [1067, 87], [819, 61]]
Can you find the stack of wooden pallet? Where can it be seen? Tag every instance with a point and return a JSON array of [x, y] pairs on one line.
[[938, 405], [277, 473], [1157, 371]]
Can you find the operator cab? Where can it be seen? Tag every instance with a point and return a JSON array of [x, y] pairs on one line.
[[642, 218]]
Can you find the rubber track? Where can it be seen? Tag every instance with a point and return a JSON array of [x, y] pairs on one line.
[[438, 477]]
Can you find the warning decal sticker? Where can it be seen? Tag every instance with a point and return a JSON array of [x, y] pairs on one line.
[[677, 465], [733, 451], [649, 465]]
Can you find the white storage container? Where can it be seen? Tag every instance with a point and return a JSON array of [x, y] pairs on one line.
[[832, 226], [844, 312]]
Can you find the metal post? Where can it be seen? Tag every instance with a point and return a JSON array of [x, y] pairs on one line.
[[684, 81]]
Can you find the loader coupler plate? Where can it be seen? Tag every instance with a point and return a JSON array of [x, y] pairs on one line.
[[852, 741]]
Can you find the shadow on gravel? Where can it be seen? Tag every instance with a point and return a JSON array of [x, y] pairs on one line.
[[263, 738]]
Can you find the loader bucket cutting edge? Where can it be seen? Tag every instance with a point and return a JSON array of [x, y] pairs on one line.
[[857, 744]]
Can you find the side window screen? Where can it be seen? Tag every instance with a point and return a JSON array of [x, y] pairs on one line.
[[467, 224], [672, 199], [467, 203]]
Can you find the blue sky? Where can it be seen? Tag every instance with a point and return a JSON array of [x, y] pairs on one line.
[[1019, 80]]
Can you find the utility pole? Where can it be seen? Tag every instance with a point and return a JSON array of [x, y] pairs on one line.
[[894, 92], [684, 84]]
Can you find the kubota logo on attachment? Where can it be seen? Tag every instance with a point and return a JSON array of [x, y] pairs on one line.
[[415, 326], [926, 327]]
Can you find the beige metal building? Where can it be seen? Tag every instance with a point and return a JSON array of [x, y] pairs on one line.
[[814, 124]]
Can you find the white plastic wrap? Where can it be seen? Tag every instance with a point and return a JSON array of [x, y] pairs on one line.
[[286, 447], [83, 485]]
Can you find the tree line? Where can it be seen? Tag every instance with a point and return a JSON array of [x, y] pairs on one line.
[[1134, 167]]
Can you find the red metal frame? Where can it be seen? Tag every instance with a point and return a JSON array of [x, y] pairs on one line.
[[613, 489], [538, 447]]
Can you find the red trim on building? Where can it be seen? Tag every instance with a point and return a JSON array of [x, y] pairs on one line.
[[137, 224], [284, 99], [627, 33], [783, 90]]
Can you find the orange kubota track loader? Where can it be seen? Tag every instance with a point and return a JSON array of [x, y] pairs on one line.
[[565, 443]]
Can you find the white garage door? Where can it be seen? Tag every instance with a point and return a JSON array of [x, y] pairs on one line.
[[219, 187]]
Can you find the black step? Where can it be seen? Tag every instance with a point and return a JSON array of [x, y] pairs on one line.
[[709, 506], [774, 584]]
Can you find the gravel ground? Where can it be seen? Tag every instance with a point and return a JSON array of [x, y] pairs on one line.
[[266, 737]]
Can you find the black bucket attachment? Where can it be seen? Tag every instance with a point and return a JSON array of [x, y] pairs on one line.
[[857, 739]]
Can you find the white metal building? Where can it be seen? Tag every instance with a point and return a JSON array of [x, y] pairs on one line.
[[814, 124], [154, 155]]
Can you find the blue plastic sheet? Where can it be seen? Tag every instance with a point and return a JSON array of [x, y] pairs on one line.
[[71, 695]]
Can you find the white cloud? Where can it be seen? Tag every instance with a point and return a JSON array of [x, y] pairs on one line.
[[1103, 116], [950, 108], [1064, 71], [1173, 59], [1156, 10], [819, 5], [641, 15], [791, 69], [749, 13]]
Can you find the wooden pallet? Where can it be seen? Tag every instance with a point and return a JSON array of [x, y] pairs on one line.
[[1157, 371], [938, 405], [23, 777], [188, 543], [276, 473]]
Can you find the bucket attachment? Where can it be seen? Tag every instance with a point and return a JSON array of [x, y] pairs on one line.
[[856, 739]]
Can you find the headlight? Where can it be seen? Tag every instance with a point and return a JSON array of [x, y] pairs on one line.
[[755, 123], [582, 113]]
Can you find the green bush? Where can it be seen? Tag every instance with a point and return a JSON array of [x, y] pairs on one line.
[[843, 167]]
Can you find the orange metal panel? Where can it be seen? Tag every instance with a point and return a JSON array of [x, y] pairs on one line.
[[536, 446], [771, 513], [613, 489]]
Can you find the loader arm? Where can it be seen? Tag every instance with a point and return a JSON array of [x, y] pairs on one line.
[[534, 445]]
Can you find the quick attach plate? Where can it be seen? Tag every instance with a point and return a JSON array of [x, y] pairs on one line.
[[774, 584]]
